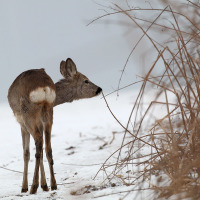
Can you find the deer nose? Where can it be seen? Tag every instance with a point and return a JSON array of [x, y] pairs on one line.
[[98, 90]]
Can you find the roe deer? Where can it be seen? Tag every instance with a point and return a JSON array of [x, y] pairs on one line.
[[32, 97]]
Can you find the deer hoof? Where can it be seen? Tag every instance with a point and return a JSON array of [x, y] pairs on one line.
[[54, 187], [24, 190], [45, 187], [33, 189]]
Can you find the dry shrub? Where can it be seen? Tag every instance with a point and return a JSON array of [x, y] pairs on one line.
[[163, 153]]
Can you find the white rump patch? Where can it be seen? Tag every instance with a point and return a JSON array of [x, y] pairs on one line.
[[43, 94]]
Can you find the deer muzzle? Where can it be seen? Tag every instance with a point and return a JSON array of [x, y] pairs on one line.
[[98, 91]]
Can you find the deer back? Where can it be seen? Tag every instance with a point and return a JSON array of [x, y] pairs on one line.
[[31, 87]]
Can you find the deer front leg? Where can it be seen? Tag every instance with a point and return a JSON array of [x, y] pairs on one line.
[[43, 177], [38, 137], [26, 144], [48, 150]]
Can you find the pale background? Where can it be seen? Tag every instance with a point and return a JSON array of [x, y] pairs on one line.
[[39, 34]]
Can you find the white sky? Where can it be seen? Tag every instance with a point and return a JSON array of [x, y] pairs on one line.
[[39, 34]]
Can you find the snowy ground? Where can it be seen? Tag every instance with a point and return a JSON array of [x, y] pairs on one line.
[[81, 134]]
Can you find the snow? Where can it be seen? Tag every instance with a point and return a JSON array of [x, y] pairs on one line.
[[81, 136]]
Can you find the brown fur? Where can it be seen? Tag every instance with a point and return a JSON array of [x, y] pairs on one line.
[[37, 117]]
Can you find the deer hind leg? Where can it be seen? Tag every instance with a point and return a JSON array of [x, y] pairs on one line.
[[38, 137], [26, 144], [49, 156], [43, 177]]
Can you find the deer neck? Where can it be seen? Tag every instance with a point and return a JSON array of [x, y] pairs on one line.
[[65, 92]]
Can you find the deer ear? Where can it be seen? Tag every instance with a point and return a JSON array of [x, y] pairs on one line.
[[68, 68], [62, 68], [71, 67]]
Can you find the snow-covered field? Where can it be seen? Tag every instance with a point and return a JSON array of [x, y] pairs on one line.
[[81, 137]]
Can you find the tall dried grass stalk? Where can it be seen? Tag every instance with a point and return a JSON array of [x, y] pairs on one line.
[[164, 154]]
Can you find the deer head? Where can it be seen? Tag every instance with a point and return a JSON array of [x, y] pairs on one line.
[[75, 85]]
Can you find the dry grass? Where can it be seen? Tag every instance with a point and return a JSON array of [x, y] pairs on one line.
[[163, 155]]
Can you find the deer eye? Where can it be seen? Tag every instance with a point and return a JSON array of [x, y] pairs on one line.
[[86, 81]]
